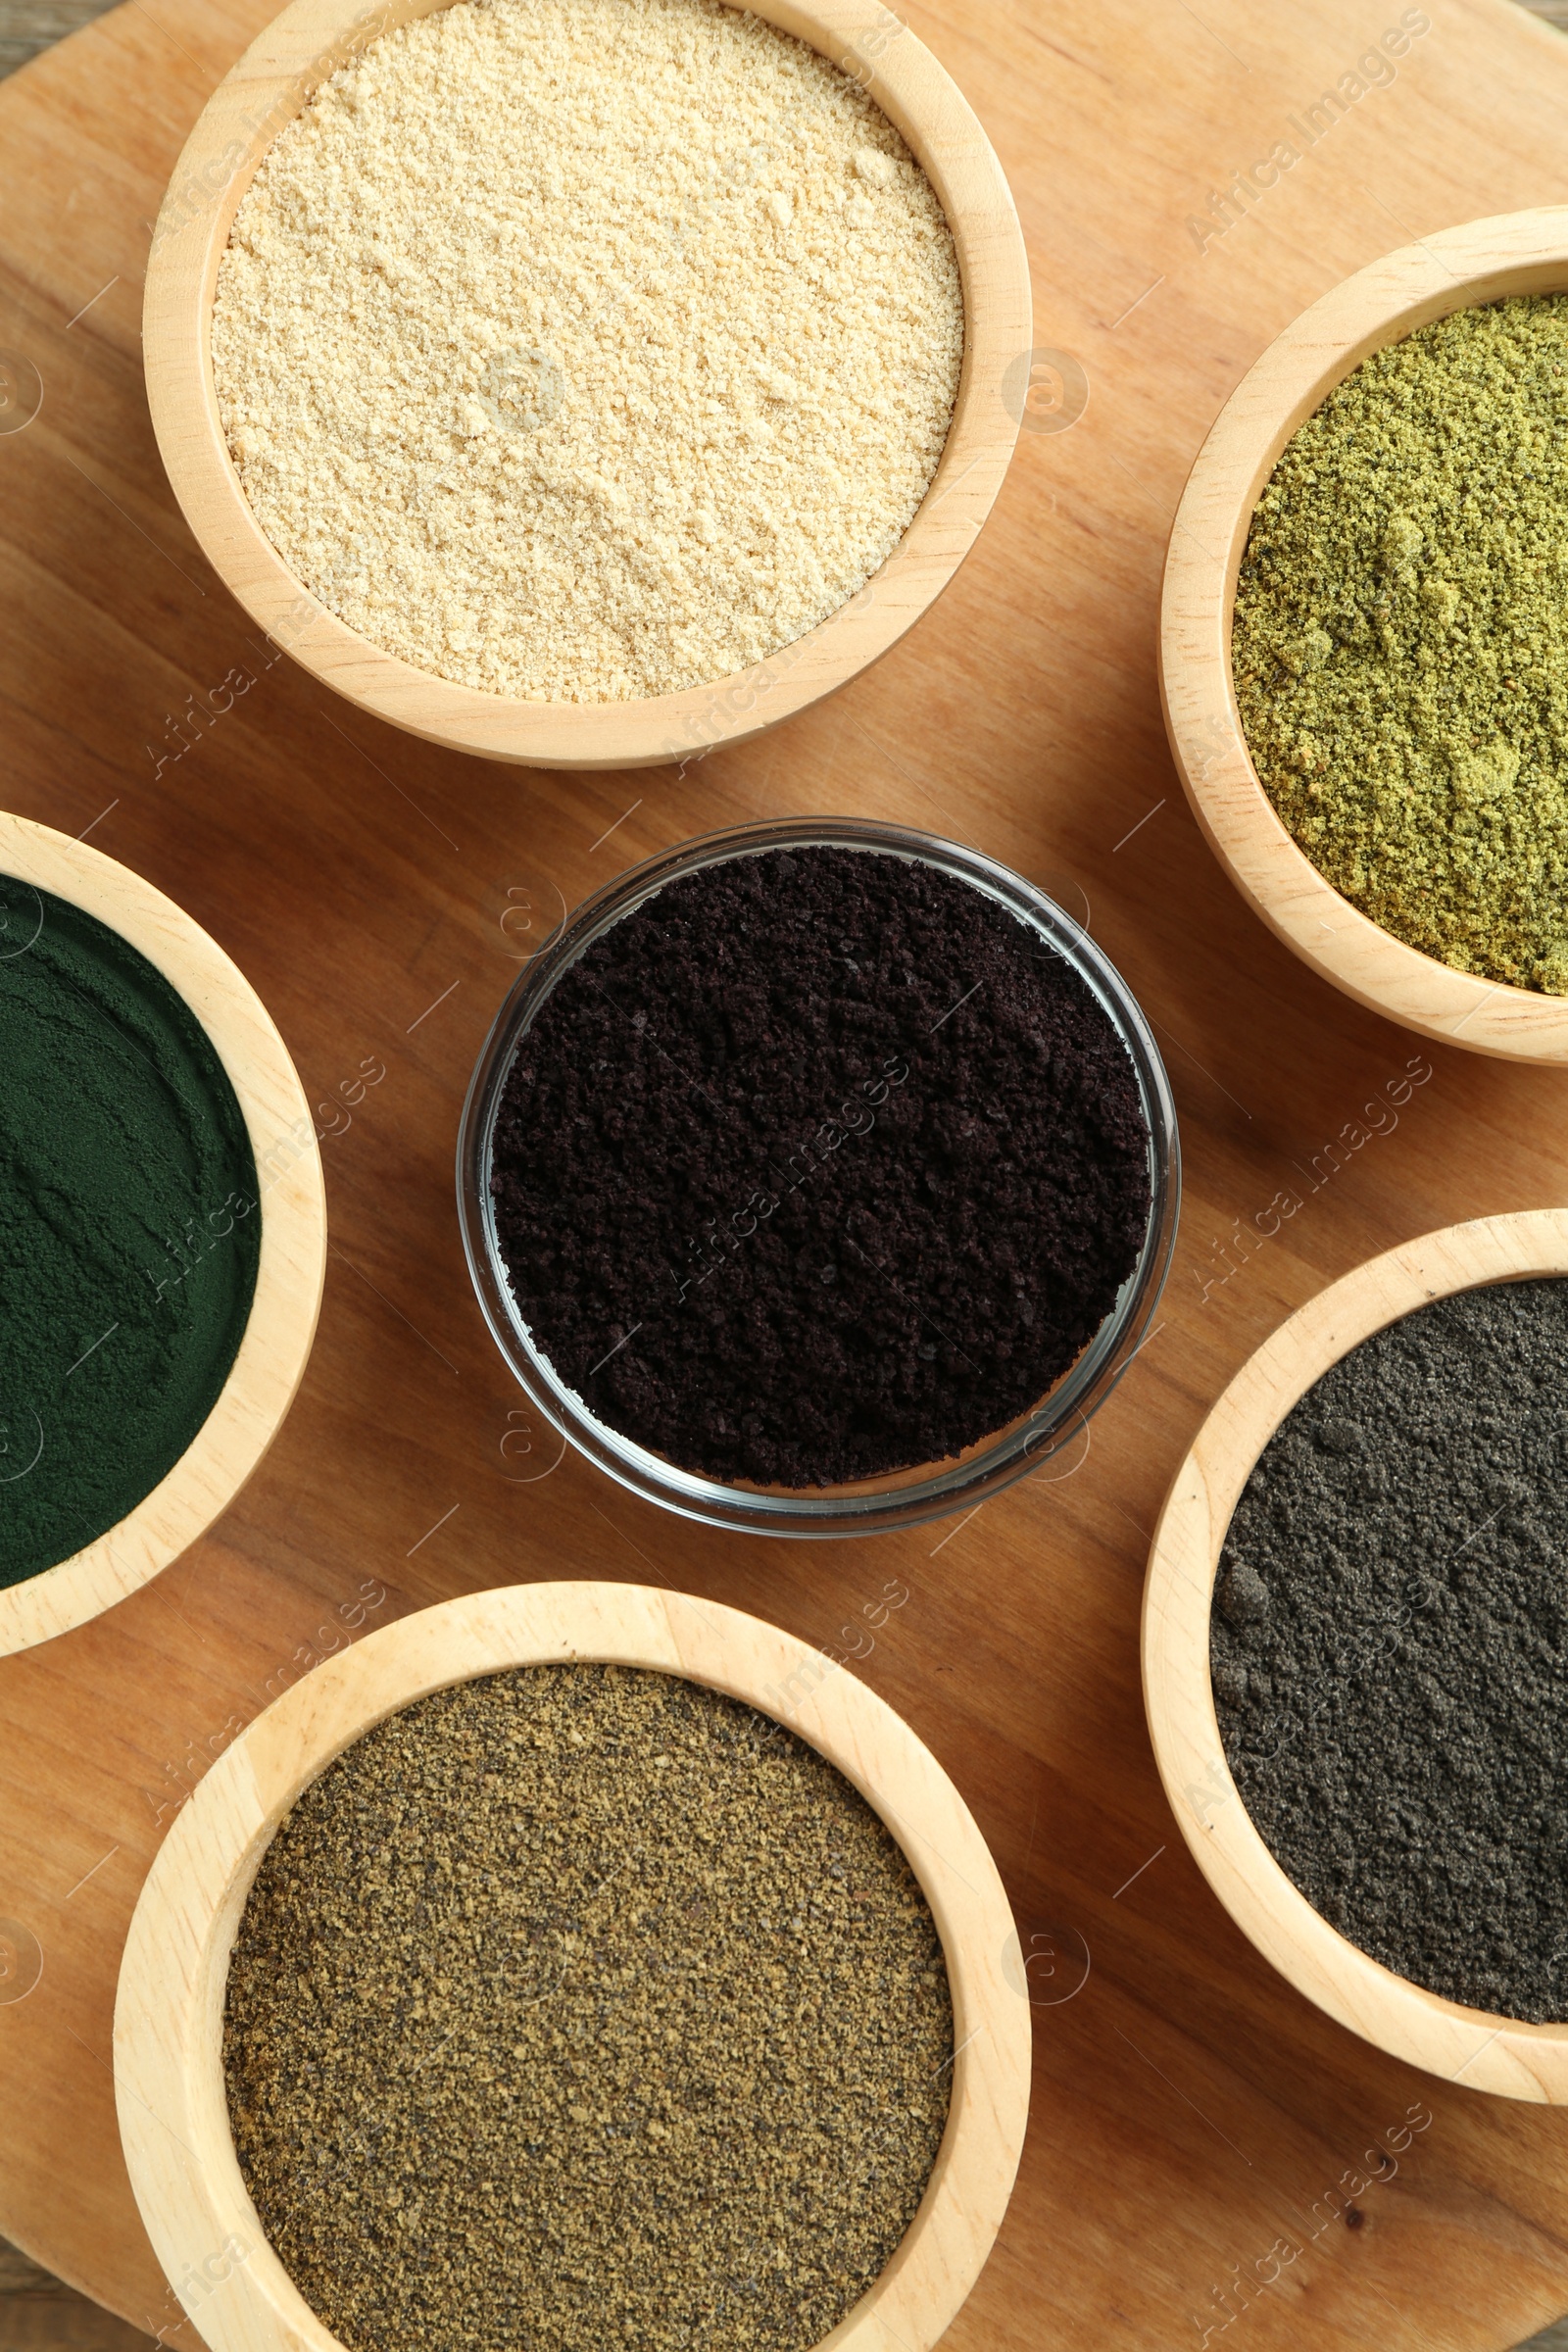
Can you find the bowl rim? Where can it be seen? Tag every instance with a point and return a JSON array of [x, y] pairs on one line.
[[267, 87], [275, 1347], [169, 2074], [1458, 269], [897, 1499], [1483, 2050]]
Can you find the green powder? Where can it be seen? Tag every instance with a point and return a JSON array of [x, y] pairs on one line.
[[130, 1229], [1400, 640]]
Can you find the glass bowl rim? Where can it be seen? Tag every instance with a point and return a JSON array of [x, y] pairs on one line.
[[899, 1498]]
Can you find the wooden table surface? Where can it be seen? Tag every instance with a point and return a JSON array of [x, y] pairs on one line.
[[1188, 2110]]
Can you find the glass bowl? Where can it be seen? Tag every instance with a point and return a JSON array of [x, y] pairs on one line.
[[900, 1498]]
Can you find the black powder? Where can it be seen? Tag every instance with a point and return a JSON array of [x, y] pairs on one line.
[[579, 2007], [1390, 1648], [818, 1166]]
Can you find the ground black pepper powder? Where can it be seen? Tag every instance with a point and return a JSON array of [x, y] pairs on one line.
[[1390, 1648], [818, 1166], [581, 2006]]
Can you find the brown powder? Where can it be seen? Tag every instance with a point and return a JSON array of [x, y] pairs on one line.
[[581, 2006], [586, 349]]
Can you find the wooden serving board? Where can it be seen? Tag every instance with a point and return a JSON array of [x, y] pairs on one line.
[[1195, 2124]]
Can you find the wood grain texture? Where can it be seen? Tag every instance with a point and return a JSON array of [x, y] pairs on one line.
[[291, 1271], [1521, 253], [1187, 2106], [37, 2314], [168, 2017], [1486, 2051], [265, 89], [27, 26]]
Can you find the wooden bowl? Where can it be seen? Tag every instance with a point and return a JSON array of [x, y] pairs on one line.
[[267, 87], [1517, 253], [276, 1345], [169, 2072], [1473, 2047]]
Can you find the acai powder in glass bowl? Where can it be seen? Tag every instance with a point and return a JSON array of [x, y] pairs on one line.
[[820, 1178]]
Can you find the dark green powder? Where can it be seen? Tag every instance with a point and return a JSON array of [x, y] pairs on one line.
[[1400, 640], [130, 1229], [581, 2008]]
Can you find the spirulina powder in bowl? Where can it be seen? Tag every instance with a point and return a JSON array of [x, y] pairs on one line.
[[129, 1228], [1390, 1648], [580, 2006]]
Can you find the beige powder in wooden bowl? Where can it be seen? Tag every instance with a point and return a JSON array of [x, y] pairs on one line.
[[587, 350]]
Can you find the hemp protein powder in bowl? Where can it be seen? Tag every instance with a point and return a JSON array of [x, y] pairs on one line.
[[817, 1164], [582, 2005], [1400, 640], [1389, 1649], [583, 351], [130, 1229]]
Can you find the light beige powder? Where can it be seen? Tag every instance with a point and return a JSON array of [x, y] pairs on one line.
[[587, 348]]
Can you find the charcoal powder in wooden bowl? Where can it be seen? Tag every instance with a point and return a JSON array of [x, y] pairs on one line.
[[1389, 1648], [579, 2005], [817, 1165]]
